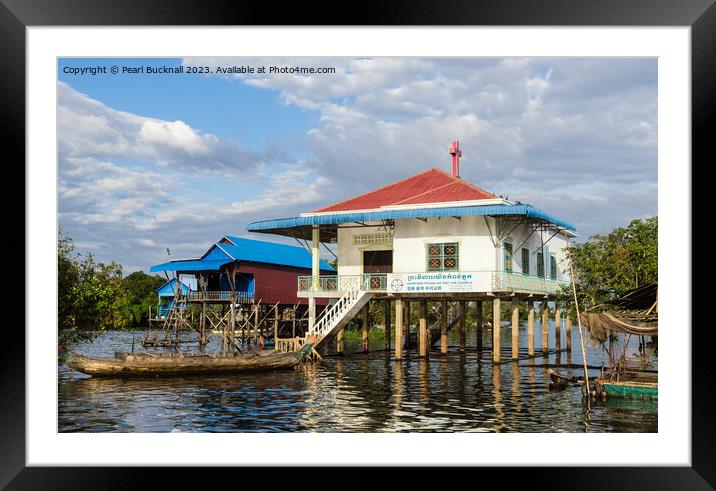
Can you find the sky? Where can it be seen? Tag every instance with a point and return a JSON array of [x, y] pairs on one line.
[[155, 161]]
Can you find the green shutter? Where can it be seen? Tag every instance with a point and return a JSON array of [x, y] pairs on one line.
[[525, 261]]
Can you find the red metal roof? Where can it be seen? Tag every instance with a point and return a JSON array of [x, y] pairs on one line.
[[432, 186]]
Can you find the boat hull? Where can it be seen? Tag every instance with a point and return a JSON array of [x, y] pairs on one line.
[[631, 390], [147, 366]]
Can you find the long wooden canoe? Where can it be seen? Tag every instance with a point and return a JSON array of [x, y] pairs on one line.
[[149, 365]]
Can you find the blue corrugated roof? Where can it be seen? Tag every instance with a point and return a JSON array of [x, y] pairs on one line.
[[169, 288], [244, 250], [336, 218], [270, 252], [189, 265]]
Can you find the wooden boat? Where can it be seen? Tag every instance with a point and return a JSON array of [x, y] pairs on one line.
[[152, 365], [630, 385]]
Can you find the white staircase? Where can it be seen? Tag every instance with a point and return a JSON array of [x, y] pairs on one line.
[[335, 317]]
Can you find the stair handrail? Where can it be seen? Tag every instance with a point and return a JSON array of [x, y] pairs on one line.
[[336, 311]]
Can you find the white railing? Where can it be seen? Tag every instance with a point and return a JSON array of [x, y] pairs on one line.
[[481, 281], [502, 280], [377, 282], [335, 313]]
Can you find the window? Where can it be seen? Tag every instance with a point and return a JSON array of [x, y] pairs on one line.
[[508, 256], [442, 257], [540, 265], [553, 267], [525, 261]]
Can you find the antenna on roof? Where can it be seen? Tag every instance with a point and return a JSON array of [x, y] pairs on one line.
[[456, 154]]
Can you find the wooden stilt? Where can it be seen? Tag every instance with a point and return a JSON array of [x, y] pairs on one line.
[[530, 327], [568, 331], [478, 324], [366, 320], [443, 326], [515, 328], [545, 327], [275, 327], [387, 325], [423, 329], [256, 327], [463, 311], [399, 311], [557, 328], [496, 324]]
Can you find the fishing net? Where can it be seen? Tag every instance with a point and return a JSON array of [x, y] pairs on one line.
[[602, 323]]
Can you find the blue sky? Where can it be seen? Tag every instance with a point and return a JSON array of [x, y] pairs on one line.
[[148, 162]]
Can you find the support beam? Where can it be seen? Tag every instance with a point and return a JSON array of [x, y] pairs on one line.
[[399, 310], [496, 323], [443, 325], [557, 327], [462, 326], [530, 327], [545, 327], [478, 324], [423, 329], [568, 331], [366, 320], [387, 325], [315, 273], [515, 328]]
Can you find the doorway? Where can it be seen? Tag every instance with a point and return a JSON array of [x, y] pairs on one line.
[[377, 262]]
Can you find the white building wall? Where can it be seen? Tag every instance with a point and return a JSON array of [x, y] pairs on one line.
[[476, 249]]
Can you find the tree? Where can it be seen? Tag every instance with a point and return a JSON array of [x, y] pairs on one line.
[[141, 290], [91, 297], [608, 266]]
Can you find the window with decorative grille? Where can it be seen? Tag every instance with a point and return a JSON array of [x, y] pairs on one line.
[[443, 257]]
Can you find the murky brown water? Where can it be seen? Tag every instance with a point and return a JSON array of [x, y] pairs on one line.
[[356, 393]]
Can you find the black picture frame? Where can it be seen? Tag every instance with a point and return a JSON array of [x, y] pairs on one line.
[[700, 15]]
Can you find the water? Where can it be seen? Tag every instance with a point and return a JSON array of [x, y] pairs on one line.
[[356, 393]]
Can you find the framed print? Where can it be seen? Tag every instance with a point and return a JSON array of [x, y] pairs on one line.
[[429, 237]]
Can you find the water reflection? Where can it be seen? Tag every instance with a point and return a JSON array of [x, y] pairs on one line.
[[356, 393]]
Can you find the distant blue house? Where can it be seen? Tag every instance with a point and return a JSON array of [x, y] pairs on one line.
[[250, 268], [166, 294]]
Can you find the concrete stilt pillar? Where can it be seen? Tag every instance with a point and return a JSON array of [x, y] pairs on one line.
[[423, 329], [496, 323], [545, 327], [530, 327], [315, 273], [478, 324], [515, 328], [443, 326], [387, 325], [406, 326], [557, 328], [399, 311], [366, 320], [340, 337], [568, 332], [463, 311]]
